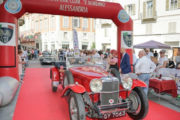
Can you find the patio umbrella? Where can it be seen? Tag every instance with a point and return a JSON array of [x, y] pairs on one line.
[[152, 44]]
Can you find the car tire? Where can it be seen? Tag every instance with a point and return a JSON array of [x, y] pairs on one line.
[[50, 73], [76, 107], [116, 73], [68, 79], [42, 63], [140, 111], [54, 89]]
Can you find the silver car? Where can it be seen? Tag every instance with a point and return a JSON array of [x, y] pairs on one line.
[[47, 57]]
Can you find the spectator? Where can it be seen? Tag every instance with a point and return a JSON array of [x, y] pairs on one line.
[[35, 53], [113, 60], [125, 66], [149, 54], [171, 64], [178, 80], [95, 54], [144, 68], [134, 60], [155, 54], [20, 63], [163, 60], [177, 60], [25, 57]]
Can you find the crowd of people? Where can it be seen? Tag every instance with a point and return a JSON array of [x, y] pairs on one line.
[[149, 63]]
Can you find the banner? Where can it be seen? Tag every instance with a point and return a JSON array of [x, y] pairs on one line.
[[76, 43], [126, 39], [7, 34]]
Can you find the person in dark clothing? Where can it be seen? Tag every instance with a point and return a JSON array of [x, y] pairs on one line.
[[125, 66], [171, 64], [155, 54]]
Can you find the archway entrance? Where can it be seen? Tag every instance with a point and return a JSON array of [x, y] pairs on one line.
[[11, 10]]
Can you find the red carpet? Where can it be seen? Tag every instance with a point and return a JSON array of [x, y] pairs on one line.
[[36, 101]]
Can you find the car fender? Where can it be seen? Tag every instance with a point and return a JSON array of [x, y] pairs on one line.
[[76, 88], [54, 74], [138, 83]]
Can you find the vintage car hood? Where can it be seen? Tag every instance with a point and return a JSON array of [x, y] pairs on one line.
[[89, 72]]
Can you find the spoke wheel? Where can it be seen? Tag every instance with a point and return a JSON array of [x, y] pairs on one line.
[[136, 103], [140, 106], [76, 107]]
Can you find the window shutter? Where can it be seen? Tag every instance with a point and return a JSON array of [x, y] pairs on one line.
[[134, 9], [144, 10], [154, 7], [179, 4], [167, 5], [125, 7]]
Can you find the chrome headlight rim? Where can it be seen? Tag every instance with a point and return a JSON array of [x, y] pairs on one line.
[[96, 85], [127, 82]]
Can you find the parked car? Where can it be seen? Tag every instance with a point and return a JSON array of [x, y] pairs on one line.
[[47, 57], [95, 93]]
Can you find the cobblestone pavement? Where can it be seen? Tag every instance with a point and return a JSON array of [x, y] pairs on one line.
[[6, 112]]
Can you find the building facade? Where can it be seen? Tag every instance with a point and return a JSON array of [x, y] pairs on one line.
[[157, 20], [52, 32]]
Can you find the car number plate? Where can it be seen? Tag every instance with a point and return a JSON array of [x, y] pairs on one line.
[[114, 114]]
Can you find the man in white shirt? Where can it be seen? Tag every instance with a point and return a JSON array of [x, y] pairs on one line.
[[144, 67], [149, 54]]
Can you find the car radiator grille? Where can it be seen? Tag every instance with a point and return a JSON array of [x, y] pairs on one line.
[[108, 95]]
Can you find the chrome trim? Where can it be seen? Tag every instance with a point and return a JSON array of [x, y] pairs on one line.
[[90, 93], [116, 104]]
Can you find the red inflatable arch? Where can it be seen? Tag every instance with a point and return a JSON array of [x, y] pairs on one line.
[[11, 10]]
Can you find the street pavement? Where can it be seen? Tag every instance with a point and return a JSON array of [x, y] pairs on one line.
[[6, 112]]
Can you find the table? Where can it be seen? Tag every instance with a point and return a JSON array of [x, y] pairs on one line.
[[168, 86]]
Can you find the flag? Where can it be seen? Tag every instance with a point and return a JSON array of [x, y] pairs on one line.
[[76, 43]]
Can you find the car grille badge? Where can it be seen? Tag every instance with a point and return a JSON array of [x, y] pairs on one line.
[[111, 101]]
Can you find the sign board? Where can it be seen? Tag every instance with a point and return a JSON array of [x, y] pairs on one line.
[[7, 34], [126, 39]]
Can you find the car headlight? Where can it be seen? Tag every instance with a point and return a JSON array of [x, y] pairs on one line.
[[96, 85], [127, 82]]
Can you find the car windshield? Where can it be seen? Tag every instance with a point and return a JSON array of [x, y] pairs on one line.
[[46, 53], [76, 61]]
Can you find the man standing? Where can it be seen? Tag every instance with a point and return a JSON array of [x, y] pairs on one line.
[[125, 66], [143, 69], [149, 54]]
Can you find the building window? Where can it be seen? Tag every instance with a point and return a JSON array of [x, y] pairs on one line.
[[41, 25], [85, 23], [76, 22], [105, 32], [173, 4], [84, 47], [149, 9], [172, 27], [130, 9], [46, 24], [65, 35], [65, 46], [85, 36], [65, 22], [53, 23]]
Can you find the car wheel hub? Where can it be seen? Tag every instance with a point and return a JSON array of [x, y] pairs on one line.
[[136, 103], [73, 109]]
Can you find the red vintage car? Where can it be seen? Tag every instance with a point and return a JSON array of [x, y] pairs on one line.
[[96, 93]]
